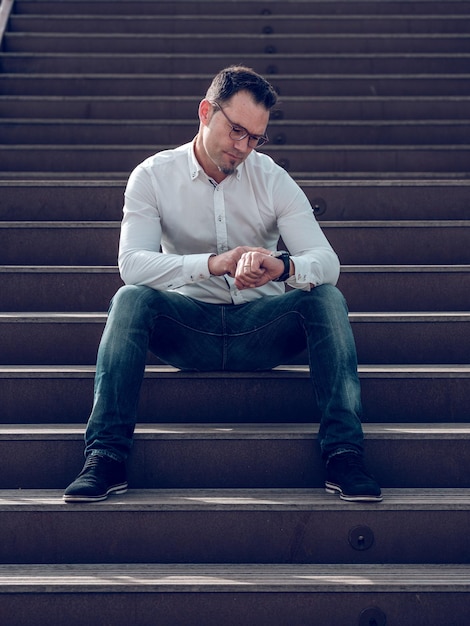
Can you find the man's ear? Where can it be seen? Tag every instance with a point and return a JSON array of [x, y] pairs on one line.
[[205, 111]]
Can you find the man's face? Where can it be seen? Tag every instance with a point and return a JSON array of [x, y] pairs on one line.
[[217, 152]]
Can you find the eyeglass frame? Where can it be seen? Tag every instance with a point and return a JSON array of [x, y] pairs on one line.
[[263, 138]]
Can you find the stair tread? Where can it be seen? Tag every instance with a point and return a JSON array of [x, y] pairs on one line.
[[302, 371], [277, 499], [387, 268], [221, 431], [350, 224], [100, 317], [232, 577]]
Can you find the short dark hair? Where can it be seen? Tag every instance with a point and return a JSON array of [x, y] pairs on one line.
[[235, 78]]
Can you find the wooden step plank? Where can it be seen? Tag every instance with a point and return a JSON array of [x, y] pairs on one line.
[[169, 7], [236, 456], [136, 108], [276, 578], [384, 160], [17, 131], [248, 23], [389, 393], [274, 595], [192, 84], [231, 526], [377, 288], [380, 63], [381, 338], [142, 500], [236, 431], [334, 200], [368, 242], [239, 43]]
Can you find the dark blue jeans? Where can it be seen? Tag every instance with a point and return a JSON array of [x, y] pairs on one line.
[[194, 335]]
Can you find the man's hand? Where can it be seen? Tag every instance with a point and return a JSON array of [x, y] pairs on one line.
[[228, 262], [257, 268]]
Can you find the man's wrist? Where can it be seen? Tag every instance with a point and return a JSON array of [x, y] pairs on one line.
[[283, 256]]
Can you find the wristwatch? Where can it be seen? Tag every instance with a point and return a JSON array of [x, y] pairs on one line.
[[285, 258]]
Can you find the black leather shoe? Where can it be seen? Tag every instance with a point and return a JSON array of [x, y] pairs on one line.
[[100, 477], [346, 475]]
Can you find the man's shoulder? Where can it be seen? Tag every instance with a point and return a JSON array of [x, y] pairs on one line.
[[168, 155], [264, 166]]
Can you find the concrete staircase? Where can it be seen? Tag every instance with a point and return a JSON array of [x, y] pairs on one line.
[[226, 522]]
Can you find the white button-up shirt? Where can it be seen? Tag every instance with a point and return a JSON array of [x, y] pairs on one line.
[[175, 218]]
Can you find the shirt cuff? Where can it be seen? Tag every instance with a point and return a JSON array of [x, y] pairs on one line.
[[302, 277], [195, 267]]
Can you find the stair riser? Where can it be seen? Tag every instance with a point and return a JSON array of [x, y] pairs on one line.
[[355, 245], [154, 107], [414, 133], [189, 85], [245, 44], [382, 342], [214, 536], [388, 399], [101, 608], [250, 24], [235, 464], [348, 201], [169, 7], [266, 64], [344, 159], [364, 290]]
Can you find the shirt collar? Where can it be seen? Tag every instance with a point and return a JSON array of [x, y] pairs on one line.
[[195, 167]]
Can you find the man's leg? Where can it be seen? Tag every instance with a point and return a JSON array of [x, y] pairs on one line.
[[181, 331], [318, 320]]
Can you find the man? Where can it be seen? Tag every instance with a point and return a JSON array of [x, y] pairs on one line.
[[204, 287]]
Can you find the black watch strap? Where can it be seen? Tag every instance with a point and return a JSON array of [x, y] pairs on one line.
[[285, 258]]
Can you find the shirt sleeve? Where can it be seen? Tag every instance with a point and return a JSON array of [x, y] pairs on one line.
[[140, 260], [314, 259]]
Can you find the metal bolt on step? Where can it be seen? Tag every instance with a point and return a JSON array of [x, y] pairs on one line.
[[372, 616], [361, 538], [319, 206], [280, 139]]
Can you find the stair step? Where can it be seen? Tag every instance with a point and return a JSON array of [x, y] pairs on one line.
[[381, 338], [232, 455], [394, 160], [196, 84], [366, 108], [337, 200], [274, 594], [204, 526], [390, 393], [356, 242], [178, 131], [366, 287], [108, 63], [247, 7], [253, 24], [275, 44]]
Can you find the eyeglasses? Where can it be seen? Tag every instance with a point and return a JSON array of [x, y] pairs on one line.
[[238, 132]]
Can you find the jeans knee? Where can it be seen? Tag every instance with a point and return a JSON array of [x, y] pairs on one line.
[[127, 297], [129, 305], [326, 299]]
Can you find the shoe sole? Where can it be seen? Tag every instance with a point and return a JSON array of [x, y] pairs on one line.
[[336, 489], [115, 490]]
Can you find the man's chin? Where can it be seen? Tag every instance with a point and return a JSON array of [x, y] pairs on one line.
[[227, 170]]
